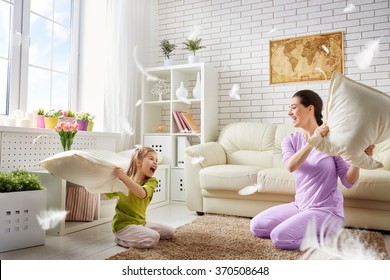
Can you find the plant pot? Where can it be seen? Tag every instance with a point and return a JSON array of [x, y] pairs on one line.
[[90, 126], [20, 227], [40, 121], [168, 62], [83, 125], [193, 59], [51, 122]]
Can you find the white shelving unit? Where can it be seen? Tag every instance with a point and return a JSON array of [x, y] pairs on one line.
[[156, 113]]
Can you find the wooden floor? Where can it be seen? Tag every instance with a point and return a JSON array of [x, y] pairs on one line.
[[97, 243]]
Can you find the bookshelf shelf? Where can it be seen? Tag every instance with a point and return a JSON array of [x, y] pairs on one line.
[[203, 112]]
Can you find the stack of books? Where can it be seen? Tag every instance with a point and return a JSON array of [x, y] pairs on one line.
[[184, 122]]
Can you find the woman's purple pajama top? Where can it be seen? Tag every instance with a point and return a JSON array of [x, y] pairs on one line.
[[316, 179]]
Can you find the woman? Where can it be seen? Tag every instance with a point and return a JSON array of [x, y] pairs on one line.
[[317, 195]]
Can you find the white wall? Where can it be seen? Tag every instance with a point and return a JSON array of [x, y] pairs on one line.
[[236, 34], [91, 71]]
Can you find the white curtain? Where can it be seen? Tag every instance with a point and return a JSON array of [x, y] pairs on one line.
[[127, 26]]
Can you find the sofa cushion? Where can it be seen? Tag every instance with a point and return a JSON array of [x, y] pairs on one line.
[[358, 116], [247, 142], [371, 185], [229, 177], [276, 180]]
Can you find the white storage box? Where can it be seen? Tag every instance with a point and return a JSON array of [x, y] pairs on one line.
[[19, 227]]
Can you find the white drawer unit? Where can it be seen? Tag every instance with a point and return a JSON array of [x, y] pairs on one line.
[[177, 185], [160, 196]]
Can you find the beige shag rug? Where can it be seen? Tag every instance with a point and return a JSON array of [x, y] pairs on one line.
[[219, 237]]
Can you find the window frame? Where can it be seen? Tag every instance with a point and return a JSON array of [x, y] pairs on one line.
[[19, 58]]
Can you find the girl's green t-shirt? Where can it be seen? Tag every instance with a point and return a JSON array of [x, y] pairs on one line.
[[130, 209]]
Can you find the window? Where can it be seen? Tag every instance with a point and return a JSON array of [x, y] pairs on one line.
[[37, 63]]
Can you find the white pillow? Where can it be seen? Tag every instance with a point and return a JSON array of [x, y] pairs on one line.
[[358, 116], [92, 169]]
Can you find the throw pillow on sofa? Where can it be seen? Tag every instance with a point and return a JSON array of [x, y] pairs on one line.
[[358, 116]]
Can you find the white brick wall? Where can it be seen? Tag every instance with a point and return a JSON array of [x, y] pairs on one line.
[[236, 34]]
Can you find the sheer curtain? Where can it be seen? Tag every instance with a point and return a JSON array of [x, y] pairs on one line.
[[127, 26]]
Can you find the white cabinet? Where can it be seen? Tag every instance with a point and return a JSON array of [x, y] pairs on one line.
[[158, 126], [56, 200]]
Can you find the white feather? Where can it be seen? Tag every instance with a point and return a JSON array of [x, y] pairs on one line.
[[184, 100], [37, 138], [250, 189], [234, 92], [272, 30], [340, 245], [364, 58], [48, 219], [139, 102], [350, 8], [138, 145], [197, 160], [322, 71], [195, 33], [125, 125], [325, 48], [141, 69]]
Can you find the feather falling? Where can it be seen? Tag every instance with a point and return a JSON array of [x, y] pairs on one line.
[[195, 33], [126, 127], [139, 102], [38, 137], [141, 69], [197, 160], [48, 219], [340, 245], [364, 58], [350, 8], [234, 92]]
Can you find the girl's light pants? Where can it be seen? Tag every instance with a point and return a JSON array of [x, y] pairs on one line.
[[146, 236]]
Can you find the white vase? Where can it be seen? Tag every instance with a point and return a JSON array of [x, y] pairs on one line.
[[196, 93], [181, 92], [168, 62], [193, 59]]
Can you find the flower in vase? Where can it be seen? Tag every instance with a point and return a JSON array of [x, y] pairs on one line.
[[67, 131], [82, 116]]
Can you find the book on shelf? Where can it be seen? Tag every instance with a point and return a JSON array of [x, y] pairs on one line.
[[179, 122], [184, 122], [190, 123]]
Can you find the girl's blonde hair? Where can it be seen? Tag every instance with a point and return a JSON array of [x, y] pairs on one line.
[[138, 154]]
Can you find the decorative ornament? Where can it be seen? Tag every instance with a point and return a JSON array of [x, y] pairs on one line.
[[160, 88]]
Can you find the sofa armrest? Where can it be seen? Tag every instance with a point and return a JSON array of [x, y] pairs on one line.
[[210, 153]]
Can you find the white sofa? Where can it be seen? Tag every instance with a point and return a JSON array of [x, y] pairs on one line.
[[247, 153]]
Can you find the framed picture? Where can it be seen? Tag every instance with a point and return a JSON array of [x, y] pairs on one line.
[[306, 58]]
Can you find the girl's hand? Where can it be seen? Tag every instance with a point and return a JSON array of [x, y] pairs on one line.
[[120, 173], [370, 150], [322, 130]]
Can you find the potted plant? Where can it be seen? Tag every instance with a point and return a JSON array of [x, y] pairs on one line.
[[51, 118], [167, 48], [22, 197], [82, 120], [41, 118], [193, 46]]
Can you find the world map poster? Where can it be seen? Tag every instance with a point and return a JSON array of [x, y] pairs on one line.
[[306, 58]]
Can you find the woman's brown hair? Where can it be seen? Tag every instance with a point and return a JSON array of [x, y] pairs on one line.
[[309, 97]]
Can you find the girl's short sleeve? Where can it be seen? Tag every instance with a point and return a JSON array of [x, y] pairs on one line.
[[150, 186]]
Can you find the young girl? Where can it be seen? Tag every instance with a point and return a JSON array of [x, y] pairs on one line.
[[129, 223]]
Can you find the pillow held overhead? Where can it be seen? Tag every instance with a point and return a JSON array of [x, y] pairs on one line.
[[357, 116], [88, 169]]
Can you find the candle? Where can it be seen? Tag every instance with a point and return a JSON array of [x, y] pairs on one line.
[[10, 121]]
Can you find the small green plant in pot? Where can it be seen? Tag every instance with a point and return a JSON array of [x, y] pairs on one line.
[[193, 46], [19, 180], [22, 198], [167, 49]]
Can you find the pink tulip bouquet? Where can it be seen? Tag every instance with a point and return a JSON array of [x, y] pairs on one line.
[[67, 132]]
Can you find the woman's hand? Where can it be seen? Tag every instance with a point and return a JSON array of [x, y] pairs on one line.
[[370, 150], [322, 130]]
